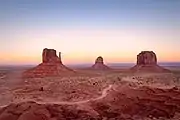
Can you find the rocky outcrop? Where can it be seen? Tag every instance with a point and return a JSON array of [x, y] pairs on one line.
[[146, 103], [147, 62], [146, 58], [34, 111], [99, 64], [51, 65], [49, 56], [122, 103]]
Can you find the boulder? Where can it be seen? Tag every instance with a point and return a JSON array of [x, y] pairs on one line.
[[99, 64], [147, 62], [51, 65]]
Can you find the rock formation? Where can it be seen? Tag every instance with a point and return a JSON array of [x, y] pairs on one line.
[[49, 56], [147, 62], [146, 58], [51, 65], [99, 64]]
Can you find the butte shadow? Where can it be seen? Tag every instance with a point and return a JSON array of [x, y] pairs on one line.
[[51, 66]]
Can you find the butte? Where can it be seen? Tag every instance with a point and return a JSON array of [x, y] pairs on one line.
[[147, 62], [99, 64], [51, 66]]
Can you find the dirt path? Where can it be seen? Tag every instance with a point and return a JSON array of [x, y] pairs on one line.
[[104, 94]]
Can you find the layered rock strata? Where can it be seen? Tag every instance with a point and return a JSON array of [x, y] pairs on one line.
[[99, 64], [147, 62], [51, 65]]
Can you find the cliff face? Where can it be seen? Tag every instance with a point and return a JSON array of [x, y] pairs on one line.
[[146, 58], [99, 64], [147, 62], [51, 65], [49, 56]]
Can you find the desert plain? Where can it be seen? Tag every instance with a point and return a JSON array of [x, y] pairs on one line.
[[116, 93]]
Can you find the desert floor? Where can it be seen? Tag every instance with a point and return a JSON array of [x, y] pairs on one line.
[[103, 95]]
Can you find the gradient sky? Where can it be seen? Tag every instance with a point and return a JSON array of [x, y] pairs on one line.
[[84, 29]]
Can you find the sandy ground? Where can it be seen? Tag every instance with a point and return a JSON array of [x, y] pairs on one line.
[[84, 88]]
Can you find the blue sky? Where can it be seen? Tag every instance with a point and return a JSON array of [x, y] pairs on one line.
[[84, 29], [90, 12]]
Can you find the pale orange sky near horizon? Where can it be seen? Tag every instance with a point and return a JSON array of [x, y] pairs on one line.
[[82, 30], [118, 57], [85, 45]]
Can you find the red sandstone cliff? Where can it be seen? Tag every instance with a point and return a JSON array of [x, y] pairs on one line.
[[147, 62], [51, 65], [99, 64]]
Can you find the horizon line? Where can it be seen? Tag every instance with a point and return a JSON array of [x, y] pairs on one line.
[[29, 64]]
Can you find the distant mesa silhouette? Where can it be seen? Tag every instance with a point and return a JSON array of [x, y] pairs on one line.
[[51, 65], [147, 62], [99, 64]]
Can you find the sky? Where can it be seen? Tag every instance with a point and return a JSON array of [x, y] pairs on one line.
[[85, 29]]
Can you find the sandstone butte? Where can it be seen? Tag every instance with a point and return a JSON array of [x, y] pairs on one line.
[[147, 62], [99, 64], [51, 65]]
